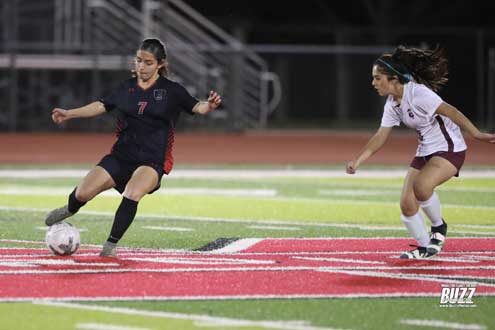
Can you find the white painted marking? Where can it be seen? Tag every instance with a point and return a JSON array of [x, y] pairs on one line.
[[442, 324], [102, 326], [124, 251], [402, 276], [359, 270], [274, 228], [240, 297], [168, 228], [61, 191], [357, 192], [239, 245], [219, 192], [204, 261], [233, 220], [51, 262], [476, 226], [217, 321], [357, 261]]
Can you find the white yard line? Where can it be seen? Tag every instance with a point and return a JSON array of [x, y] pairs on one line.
[[180, 229], [204, 319], [271, 194], [262, 222], [124, 251], [273, 228], [355, 270], [413, 277], [357, 261], [239, 297], [358, 192], [477, 226], [201, 191], [31, 262], [442, 324], [104, 326]]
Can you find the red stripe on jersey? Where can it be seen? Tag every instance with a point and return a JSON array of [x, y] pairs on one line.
[[118, 130], [450, 143], [168, 163]]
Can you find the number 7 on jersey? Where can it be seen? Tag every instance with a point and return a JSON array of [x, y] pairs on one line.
[[141, 105]]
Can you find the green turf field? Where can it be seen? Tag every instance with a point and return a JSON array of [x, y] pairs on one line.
[[202, 209]]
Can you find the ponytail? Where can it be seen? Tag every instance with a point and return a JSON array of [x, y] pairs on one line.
[[157, 48], [428, 67]]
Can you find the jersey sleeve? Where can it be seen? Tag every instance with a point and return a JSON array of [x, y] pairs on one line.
[[186, 101], [426, 100], [111, 101], [390, 116]]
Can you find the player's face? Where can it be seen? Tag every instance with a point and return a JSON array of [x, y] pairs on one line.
[[381, 83], [146, 65]]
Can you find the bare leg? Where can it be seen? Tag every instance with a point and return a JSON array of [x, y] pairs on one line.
[[96, 181], [437, 171]]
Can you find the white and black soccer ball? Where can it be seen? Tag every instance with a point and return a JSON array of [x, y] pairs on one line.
[[62, 239]]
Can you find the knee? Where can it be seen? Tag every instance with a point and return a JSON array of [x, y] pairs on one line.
[[83, 195], [422, 191], [408, 207], [133, 194]]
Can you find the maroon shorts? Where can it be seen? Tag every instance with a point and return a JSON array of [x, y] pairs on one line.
[[456, 158]]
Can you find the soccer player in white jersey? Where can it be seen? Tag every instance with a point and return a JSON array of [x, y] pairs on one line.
[[410, 78]]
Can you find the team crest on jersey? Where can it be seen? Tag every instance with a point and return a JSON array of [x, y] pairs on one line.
[[159, 94], [410, 113]]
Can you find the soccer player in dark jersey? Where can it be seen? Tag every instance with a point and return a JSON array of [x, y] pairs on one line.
[[147, 108]]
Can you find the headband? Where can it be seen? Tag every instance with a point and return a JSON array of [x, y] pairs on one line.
[[405, 76]]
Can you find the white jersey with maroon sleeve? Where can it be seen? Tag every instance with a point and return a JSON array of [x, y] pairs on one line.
[[417, 110]]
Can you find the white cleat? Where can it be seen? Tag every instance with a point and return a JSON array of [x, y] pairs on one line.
[[436, 243], [418, 253]]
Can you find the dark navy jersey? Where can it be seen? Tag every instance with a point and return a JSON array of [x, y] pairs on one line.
[[146, 120]]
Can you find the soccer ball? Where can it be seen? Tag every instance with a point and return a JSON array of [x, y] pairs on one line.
[[62, 239]]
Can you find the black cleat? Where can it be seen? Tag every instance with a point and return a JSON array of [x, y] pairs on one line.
[[418, 253], [437, 239]]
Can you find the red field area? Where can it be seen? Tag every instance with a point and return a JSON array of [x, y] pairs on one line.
[[215, 148], [271, 268]]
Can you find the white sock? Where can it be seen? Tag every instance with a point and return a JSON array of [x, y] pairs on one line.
[[417, 228], [433, 210]]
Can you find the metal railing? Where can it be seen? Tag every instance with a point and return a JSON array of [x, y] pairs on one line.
[[103, 34]]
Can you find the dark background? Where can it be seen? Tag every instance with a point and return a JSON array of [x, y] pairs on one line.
[[321, 50], [464, 28]]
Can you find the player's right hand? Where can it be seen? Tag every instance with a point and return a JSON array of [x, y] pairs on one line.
[[59, 115], [486, 137], [350, 167]]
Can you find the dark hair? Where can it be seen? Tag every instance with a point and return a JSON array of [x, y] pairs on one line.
[[157, 48], [426, 66]]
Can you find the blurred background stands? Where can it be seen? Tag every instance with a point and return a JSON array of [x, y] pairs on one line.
[[277, 64]]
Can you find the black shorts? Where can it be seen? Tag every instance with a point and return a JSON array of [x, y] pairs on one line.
[[455, 158], [121, 171]]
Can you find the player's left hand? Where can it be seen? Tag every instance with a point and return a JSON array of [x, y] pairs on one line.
[[214, 100]]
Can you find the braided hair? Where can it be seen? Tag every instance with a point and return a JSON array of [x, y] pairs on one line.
[[425, 66]]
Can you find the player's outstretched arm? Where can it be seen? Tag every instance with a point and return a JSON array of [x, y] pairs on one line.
[[91, 110], [373, 145], [464, 123], [204, 107]]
